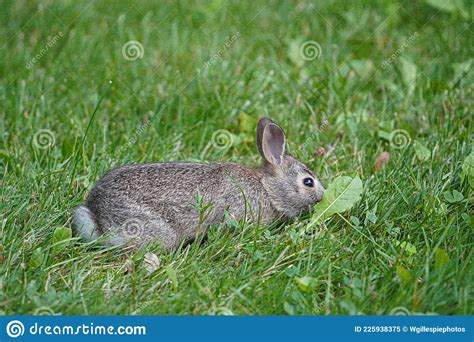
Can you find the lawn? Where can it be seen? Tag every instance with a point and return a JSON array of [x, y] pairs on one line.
[[86, 86]]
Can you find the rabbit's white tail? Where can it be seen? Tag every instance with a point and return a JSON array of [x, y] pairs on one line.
[[84, 225]]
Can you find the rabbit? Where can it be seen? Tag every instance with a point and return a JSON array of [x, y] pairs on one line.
[[173, 203]]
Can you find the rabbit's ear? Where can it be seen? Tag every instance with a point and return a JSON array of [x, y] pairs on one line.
[[273, 144], [262, 123]]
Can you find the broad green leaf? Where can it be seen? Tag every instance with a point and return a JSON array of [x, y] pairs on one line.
[[363, 68], [468, 219], [340, 196], [406, 246], [467, 172], [355, 221], [392, 229], [171, 273], [370, 216], [384, 134], [422, 153], [247, 123], [441, 258], [289, 309], [61, 237], [37, 258], [294, 52], [453, 197], [306, 284], [458, 196], [292, 271], [403, 274]]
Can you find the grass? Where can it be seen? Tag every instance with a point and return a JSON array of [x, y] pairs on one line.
[[406, 247]]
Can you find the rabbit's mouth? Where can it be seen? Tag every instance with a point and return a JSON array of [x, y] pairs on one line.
[[319, 194], [315, 198]]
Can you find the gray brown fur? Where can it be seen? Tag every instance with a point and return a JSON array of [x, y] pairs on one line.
[[137, 204]]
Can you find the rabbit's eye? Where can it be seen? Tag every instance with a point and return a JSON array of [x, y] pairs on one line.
[[309, 182]]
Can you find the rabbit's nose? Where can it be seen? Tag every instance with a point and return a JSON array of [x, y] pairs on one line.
[[319, 192]]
